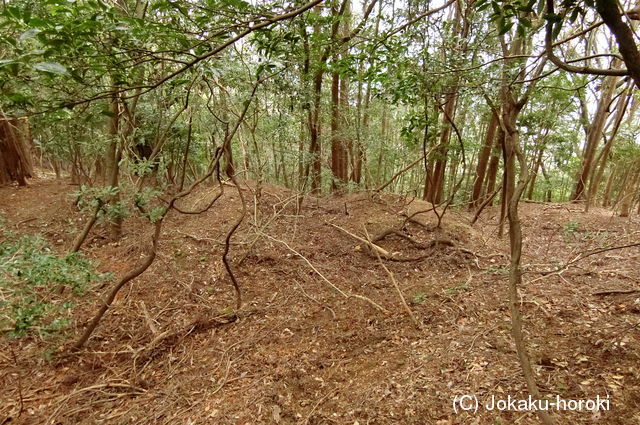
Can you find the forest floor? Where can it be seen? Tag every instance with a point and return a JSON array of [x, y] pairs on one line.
[[304, 349]]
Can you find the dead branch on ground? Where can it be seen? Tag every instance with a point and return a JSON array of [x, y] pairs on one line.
[[394, 282], [393, 256], [616, 291], [327, 281], [581, 256]]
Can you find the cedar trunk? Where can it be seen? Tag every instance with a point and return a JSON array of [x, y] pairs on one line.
[[15, 155]]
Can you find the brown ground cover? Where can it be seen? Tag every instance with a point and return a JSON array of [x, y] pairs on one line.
[[307, 348]]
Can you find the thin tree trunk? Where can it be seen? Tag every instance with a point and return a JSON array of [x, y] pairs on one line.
[[601, 161], [483, 160], [628, 190], [494, 162], [114, 155], [15, 156], [534, 174], [593, 139]]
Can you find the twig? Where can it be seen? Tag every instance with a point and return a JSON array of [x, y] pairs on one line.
[[227, 247], [333, 313], [20, 396], [147, 316], [616, 291], [64, 399], [377, 249], [483, 205], [581, 256], [340, 291], [396, 286], [315, 406]]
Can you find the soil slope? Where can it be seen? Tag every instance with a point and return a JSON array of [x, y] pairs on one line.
[[310, 346]]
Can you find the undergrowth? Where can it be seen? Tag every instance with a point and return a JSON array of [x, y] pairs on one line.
[[39, 288]]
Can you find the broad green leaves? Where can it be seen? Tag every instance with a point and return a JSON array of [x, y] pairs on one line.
[[507, 13], [51, 68]]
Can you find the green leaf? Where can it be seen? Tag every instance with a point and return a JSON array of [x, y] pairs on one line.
[[19, 98], [504, 26], [5, 62], [51, 67], [30, 33], [496, 8], [528, 7]]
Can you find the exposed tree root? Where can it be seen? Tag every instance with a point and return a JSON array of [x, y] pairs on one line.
[[167, 339], [376, 250]]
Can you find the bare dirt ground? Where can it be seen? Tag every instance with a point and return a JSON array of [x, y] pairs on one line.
[[307, 349]]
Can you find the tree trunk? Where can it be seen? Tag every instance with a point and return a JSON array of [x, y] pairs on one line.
[[606, 198], [628, 191], [534, 174], [15, 155], [114, 155], [492, 170], [483, 160], [593, 139], [338, 152], [436, 181], [612, 17], [601, 161]]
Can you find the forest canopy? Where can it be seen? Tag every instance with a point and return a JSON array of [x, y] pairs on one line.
[[343, 94]]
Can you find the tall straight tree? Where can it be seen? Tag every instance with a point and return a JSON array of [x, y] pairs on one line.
[[594, 135], [435, 174]]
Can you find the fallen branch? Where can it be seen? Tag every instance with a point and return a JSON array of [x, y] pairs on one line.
[[393, 280], [393, 256], [340, 291], [484, 205], [114, 291], [401, 235], [82, 236], [616, 291], [379, 250], [169, 338], [333, 313], [581, 256]]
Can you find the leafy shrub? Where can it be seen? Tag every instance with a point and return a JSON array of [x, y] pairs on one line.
[[38, 288], [572, 227]]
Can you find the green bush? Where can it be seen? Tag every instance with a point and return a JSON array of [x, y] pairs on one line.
[[38, 289]]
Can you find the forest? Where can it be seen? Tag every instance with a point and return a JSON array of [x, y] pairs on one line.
[[319, 212]]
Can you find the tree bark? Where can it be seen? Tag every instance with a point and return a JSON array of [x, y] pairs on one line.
[[534, 173], [494, 162], [483, 160], [594, 136], [628, 191], [611, 16], [15, 155], [603, 157], [112, 161], [606, 198]]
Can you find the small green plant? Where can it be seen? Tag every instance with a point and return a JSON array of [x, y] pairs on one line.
[[420, 297], [38, 288], [90, 198], [571, 228], [503, 270], [457, 289]]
